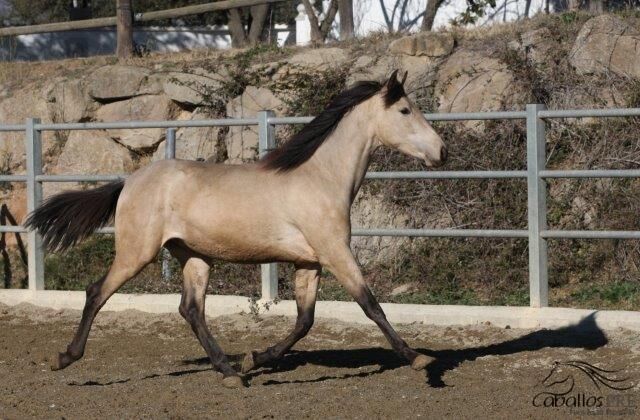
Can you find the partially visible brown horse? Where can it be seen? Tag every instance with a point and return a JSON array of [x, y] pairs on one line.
[[202, 211]]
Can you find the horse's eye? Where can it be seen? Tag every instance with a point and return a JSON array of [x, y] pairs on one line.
[[405, 111]]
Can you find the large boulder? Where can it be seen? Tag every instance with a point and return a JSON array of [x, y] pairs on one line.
[[193, 143], [120, 82], [69, 101], [93, 152], [89, 152], [320, 58], [371, 68], [139, 108], [428, 44], [469, 81], [421, 71], [16, 109], [535, 45], [242, 142], [192, 89], [606, 43]]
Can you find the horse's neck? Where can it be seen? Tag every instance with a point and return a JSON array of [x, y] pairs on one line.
[[343, 158]]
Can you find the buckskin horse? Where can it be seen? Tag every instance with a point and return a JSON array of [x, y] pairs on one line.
[[202, 211]]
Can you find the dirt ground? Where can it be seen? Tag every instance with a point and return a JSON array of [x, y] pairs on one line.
[[151, 366]]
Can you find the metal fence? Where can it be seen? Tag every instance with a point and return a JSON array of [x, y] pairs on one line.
[[536, 232]]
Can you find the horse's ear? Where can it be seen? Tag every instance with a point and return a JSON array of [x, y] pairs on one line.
[[393, 79], [404, 78]]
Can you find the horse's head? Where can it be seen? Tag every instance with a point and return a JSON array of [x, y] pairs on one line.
[[399, 124]]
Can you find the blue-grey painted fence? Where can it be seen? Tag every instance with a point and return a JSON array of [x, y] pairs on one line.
[[536, 232]]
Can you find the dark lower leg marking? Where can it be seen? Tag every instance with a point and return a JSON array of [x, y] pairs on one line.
[[195, 317], [374, 311], [75, 350], [302, 327], [307, 277]]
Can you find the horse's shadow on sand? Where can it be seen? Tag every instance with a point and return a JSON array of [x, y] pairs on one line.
[[585, 335]]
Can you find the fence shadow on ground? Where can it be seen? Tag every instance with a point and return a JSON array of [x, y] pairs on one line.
[[586, 335]]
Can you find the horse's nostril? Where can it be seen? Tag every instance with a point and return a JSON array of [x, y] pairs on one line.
[[443, 155]]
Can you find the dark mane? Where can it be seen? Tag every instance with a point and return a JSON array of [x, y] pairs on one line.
[[301, 146]]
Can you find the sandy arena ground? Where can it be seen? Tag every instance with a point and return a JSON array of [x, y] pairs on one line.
[[151, 366]]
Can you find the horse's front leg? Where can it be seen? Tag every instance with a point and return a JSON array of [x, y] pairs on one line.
[[340, 261], [306, 286]]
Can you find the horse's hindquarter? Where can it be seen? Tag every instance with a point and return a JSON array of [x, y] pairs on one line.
[[231, 212]]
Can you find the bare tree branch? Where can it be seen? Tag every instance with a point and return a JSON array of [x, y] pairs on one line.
[[430, 14], [345, 10], [385, 14]]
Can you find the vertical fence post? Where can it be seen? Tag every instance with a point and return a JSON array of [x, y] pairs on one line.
[[35, 252], [266, 142], [169, 153], [537, 208]]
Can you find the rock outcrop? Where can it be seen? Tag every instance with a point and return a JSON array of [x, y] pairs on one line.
[[29, 103], [138, 108], [195, 143], [242, 142], [90, 152], [121, 82], [190, 88], [606, 43], [469, 81], [429, 44]]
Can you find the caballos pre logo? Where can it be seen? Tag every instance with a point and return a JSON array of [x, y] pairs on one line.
[[585, 388]]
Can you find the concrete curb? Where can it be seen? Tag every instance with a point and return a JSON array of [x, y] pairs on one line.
[[217, 305]]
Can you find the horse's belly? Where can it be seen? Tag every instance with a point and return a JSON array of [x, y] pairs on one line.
[[250, 245]]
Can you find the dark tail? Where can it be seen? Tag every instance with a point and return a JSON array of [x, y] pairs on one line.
[[67, 218]]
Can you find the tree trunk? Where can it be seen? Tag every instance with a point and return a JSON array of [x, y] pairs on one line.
[[325, 27], [527, 9], [319, 31], [236, 29], [258, 18], [316, 35], [430, 14], [124, 17], [345, 9], [573, 5], [595, 6]]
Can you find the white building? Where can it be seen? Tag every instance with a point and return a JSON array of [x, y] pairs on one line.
[[369, 16]]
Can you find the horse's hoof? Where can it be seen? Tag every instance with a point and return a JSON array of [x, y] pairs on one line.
[[248, 363], [420, 362], [232, 382], [61, 361]]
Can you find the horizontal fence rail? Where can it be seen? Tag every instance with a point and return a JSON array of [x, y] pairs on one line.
[[138, 17], [536, 232]]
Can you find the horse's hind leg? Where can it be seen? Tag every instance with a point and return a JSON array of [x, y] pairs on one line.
[[306, 286], [196, 277], [122, 269]]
